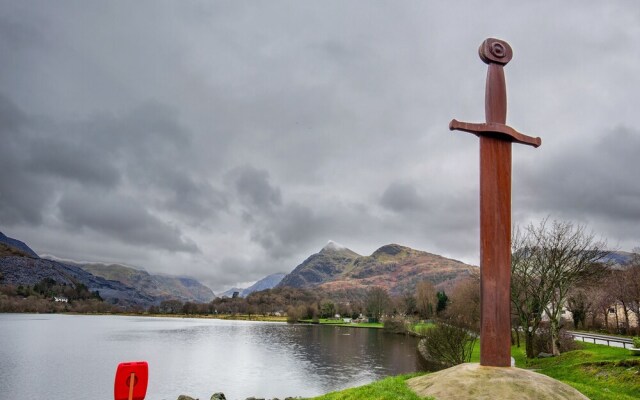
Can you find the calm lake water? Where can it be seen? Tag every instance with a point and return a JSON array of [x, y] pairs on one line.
[[70, 357]]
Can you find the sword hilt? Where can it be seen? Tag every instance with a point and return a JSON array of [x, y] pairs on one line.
[[496, 53], [493, 129]]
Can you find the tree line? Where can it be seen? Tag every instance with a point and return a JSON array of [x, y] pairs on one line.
[[300, 304], [39, 298]]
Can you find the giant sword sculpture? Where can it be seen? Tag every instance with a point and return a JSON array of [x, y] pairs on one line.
[[495, 206]]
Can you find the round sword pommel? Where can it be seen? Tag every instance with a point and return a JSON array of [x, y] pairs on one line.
[[495, 51]]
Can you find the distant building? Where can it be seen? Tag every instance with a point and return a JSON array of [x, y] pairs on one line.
[[60, 299], [235, 295]]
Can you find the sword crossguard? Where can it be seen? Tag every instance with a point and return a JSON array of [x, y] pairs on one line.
[[494, 129]]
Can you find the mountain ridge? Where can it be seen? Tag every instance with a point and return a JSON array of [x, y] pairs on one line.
[[20, 265], [394, 267], [160, 286]]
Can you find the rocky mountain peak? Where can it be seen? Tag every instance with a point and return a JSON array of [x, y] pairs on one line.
[[333, 246], [390, 250]]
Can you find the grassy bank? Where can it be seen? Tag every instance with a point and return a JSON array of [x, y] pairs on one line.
[[597, 371], [392, 388]]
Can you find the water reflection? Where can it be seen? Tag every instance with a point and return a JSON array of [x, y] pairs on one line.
[[74, 357]]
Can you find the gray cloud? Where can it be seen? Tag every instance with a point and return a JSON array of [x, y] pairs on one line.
[[254, 189], [22, 195], [401, 197], [122, 217], [595, 181]]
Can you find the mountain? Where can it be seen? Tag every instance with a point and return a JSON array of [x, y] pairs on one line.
[[268, 282], [161, 287], [230, 292], [20, 265], [332, 261], [117, 284], [393, 267], [619, 259]]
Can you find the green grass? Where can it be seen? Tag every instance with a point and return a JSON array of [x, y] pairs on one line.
[[421, 327], [392, 388], [599, 372]]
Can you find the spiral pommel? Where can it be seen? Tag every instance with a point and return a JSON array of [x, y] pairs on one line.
[[495, 51]]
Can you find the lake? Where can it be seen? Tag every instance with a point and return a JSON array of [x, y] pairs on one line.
[[74, 357]]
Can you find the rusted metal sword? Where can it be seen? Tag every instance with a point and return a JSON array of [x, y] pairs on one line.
[[495, 206]]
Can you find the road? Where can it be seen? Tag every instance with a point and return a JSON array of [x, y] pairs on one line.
[[607, 340]]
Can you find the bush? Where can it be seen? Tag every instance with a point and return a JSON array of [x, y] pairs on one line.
[[542, 340], [636, 342], [292, 315], [395, 325], [449, 344]]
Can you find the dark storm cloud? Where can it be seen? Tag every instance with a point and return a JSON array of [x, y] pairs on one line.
[[123, 218], [595, 177], [69, 158], [143, 148], [22, 195]]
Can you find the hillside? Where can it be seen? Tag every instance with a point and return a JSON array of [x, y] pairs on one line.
[[117, 284], [393, 267], [267, 282], [28, 271], [161, 287], [11, 245]]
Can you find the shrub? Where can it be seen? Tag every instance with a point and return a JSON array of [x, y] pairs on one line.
[[292, 315], [395, 325], [449, 344], [542, 340], [636, 342]]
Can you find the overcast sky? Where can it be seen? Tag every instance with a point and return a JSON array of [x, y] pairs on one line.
[[228, 140]]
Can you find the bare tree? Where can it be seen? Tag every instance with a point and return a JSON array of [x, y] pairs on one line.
[[426, 299], [580, 302], [620, 289], [377, 302], [465, 302], [603, 299], [529, 285], [548, 261], [632, 287]]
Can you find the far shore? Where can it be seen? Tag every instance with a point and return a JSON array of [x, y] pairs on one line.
[[245, 317]]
